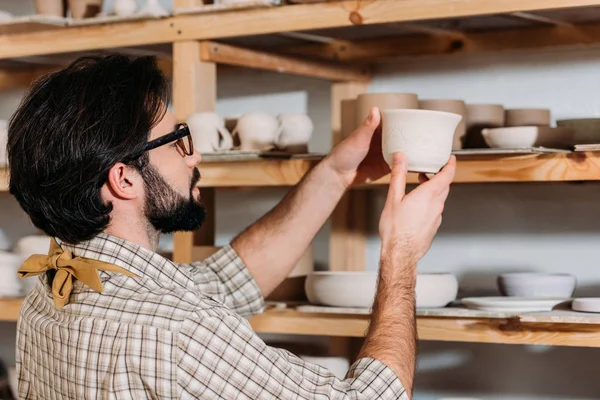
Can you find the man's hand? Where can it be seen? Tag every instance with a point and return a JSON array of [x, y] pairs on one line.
[[358, 158]]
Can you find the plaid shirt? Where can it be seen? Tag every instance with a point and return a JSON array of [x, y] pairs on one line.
[[176, 332]]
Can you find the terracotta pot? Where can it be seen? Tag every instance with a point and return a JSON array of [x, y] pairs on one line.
[[480, 116], [365, 101], [81, 9], [452, 106], [424, 136], [528, 117], [52, 8]]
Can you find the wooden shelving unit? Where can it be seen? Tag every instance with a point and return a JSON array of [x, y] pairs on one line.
[[337, 41]]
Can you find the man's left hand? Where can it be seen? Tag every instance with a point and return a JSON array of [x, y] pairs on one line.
[[358, 158]]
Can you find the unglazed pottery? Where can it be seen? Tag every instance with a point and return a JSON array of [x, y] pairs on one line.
[[453, 106], [257, 130], [84, 8], [294, 133], [527, 117], [209, 133], [125, 7], [52, 8], [512, 304], [365, 101], [435, 290], [532, 284], [424, 136], [153, 7], [520, 137], [480, 116], [585, 130], [5, 16], [341, 288], [586, 304]]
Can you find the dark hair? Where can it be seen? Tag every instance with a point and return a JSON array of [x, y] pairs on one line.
[[71, 128]]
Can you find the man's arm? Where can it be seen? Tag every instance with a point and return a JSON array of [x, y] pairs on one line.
[[273, 245], [407, 227]]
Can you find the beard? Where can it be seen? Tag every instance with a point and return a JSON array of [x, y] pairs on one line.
[[167, 210]]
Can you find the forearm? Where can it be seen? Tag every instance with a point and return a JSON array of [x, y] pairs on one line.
[[272, 246], [392, 332]]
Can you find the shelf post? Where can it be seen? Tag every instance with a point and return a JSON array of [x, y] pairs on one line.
[[194, 89]]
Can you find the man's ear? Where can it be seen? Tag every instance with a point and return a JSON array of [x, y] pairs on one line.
[[124, 182]]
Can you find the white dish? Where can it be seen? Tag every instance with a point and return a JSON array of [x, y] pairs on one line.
[[341, 288], [512, 304], [528, 136], [533, 284], [586, 304], [435, 290]]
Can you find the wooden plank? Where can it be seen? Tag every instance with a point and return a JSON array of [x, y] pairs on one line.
[[262, 21], [469, 43], [194, 89], [240, 57]]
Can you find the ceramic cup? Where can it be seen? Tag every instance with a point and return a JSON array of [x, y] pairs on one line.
[[209, 133], [84, 8], [257, 130], [424, 136], [295, 130], [481, 116], [527, 117], [452, 106], [365, 101]]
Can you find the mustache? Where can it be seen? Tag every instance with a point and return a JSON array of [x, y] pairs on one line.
[[195, 178]]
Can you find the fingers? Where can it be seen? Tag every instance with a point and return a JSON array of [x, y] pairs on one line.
[[423, 178], [397, 187], [370, 123]]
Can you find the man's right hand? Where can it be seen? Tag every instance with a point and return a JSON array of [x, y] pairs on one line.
[[410, 221]]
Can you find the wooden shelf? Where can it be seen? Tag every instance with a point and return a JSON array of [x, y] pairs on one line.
[[274, 20], [9, 309], [515, 330]]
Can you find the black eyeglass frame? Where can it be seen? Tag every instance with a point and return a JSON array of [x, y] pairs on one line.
[[180, 133]]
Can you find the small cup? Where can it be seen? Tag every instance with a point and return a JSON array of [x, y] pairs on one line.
[[424, 136], [209, 133], [294, 133], [257, 130]]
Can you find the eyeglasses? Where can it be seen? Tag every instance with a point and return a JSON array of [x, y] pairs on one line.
[[182, 137]]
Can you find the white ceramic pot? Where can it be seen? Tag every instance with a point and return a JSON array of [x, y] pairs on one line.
[[341, 288], [435, 290], [521, 137], [424, 136], [153, 7], [124, 8], [533, 284], [295, 131], [338, 365], [257, 131], [208, 132]]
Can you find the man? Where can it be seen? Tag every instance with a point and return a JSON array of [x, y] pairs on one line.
[[99, 163]]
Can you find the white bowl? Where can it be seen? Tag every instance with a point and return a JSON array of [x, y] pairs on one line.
[[424, 136], [521, 137], [341, 288], [536, 285], [436, 290]]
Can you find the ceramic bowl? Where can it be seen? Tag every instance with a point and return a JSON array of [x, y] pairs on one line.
[[527, 117], [365, 101], [453, 106], [533, 284], [341, 288], [585, 130], [528, 136], [436, 290], [424, 136]]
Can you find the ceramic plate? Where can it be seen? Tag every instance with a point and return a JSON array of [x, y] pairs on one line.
[[512, 304]]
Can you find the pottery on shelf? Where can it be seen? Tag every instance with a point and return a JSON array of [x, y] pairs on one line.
[[513, 304], [424, 136], [480, 116], [453, 106], [209, 133], [5, 16], [294, 133], [520, 137], [84, 8], [435, 290], [586, 304], [124, 7], [257, 130], [365, 101], [585, 130], [534, 284], [51, 8], [154, 8], [341, 288], [527, 117]]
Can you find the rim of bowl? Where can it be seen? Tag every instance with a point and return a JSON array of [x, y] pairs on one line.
[[515, 274]]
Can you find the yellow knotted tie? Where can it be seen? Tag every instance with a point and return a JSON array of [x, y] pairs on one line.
[[67, 267]]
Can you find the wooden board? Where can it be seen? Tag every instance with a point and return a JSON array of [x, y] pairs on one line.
[[9, 309], [263, 21], [31, 23], [219, 7]]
